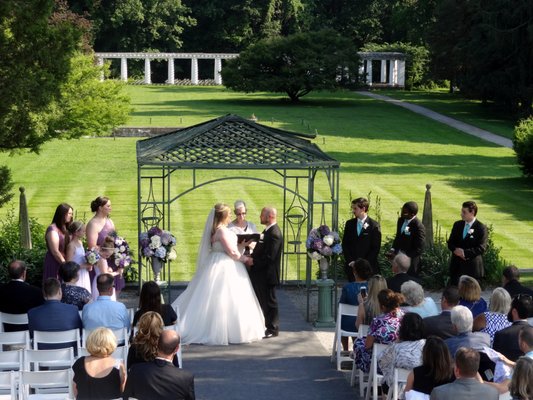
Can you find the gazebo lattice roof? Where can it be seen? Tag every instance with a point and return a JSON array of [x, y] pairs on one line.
[[232, 142]]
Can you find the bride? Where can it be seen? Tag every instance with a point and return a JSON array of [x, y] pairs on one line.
[[219, 305]]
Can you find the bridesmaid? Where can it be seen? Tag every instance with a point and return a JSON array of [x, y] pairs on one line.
[[55, 241], [75, 252]]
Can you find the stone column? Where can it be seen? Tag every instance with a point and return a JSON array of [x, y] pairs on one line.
[[401, 73], [124, 69], [393, 73], [100, 63], [369, 72], [194, 71], [383, 77], [147, 72], [170, 79], [218, 70]]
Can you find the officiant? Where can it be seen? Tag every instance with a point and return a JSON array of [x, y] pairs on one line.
[[241, 226]]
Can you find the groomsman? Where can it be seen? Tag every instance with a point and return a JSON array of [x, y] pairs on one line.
[[410, 237], [362, 238], [467, 242]]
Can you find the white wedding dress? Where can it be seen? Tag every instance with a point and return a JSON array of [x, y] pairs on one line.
[[219, 305]]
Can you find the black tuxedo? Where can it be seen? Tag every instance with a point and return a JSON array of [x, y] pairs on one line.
[[265, 273], [366, 245], [506, 341], [395, 282], [18, 297], [160, 380], [514, 287], [440, 325], [474, 245], [410, 241]]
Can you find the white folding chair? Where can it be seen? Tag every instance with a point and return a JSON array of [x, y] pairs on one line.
[[7, 385], [121, 335], [46, 384], [35, 360], [400, 379], [505, 396], [131, 312], [121, 354], [12, 319], [374, 379], [66, 338], [11, 360], [361, 333], [20, 339], [336, 352], [530, 321]]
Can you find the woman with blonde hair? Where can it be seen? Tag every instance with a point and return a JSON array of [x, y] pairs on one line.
[[99, 376], [75, 252], [470, 295], [495, 319], [521, 387], [371, 307], [219, 305]]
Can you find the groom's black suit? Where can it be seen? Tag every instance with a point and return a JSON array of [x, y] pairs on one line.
[[366, 245], [264, 274]]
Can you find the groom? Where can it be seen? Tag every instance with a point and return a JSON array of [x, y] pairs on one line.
[[265, 269]]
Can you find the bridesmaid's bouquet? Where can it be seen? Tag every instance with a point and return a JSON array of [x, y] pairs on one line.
[[323, 243], [158, 243], [92, 256], [122, 253]]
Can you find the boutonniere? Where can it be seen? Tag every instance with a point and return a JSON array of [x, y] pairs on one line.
[[406, 230], [470, 231], [365, 225]]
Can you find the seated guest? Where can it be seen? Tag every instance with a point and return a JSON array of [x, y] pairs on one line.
[[436, 368], [466, 385], [441, 325], [144, 345], [470, 295], [104, 311], [521, 387], [69, 272], [511, 282], [383, 329], [400, 266], [462, 321], [159, 379], [370, 305], [17, 296], [150, 300], [99, 375], [362, 270], [416, 302], [53, 315], [506, 340], [407, 351], [496, 318]]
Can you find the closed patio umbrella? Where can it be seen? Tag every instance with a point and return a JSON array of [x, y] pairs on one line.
[[24, 222], [427, 217]]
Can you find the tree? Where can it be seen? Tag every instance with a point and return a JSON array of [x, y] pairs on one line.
[[6, 185], [296, 64], [523, 145]]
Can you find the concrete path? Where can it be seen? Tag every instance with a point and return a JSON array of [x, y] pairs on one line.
[[463, 127], [292, 366]]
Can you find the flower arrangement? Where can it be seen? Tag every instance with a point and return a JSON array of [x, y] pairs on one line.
[[323, 243], [92, 256], [122, 254], [158, 243]]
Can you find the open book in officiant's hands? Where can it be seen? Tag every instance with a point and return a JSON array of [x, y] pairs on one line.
[[247, 237]]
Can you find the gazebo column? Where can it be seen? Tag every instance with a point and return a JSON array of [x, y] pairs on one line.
[[401, 73], [194, 71], [100, 63], [383, 77], [170, 79], [124, 69], [147, 72], [218, 70], [369, 72], [393, 73]]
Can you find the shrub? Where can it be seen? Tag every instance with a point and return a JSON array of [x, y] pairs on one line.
[[523, 145]]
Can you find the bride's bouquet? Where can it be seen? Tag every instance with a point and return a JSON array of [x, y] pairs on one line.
[[323, 243], [158, 243]]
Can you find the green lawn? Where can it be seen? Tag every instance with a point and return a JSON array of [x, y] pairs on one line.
[[382, 148]]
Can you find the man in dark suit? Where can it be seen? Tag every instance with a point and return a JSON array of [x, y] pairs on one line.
[[160, 379], [506, 340], [400, 266], [265, 269], [467, 242], [17, 296], [441, 325], [466, 386], [362, 238], [53, 315], [410, 237], [510, 282]]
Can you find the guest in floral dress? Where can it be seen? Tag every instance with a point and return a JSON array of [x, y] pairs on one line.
[[470, 295], [496, 318], [72, 293], [383, 329]]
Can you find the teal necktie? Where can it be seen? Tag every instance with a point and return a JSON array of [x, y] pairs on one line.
[[359, 227], [405, 222], [465, 230]]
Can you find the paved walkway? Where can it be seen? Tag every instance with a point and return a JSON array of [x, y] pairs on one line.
[[463, 127]]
